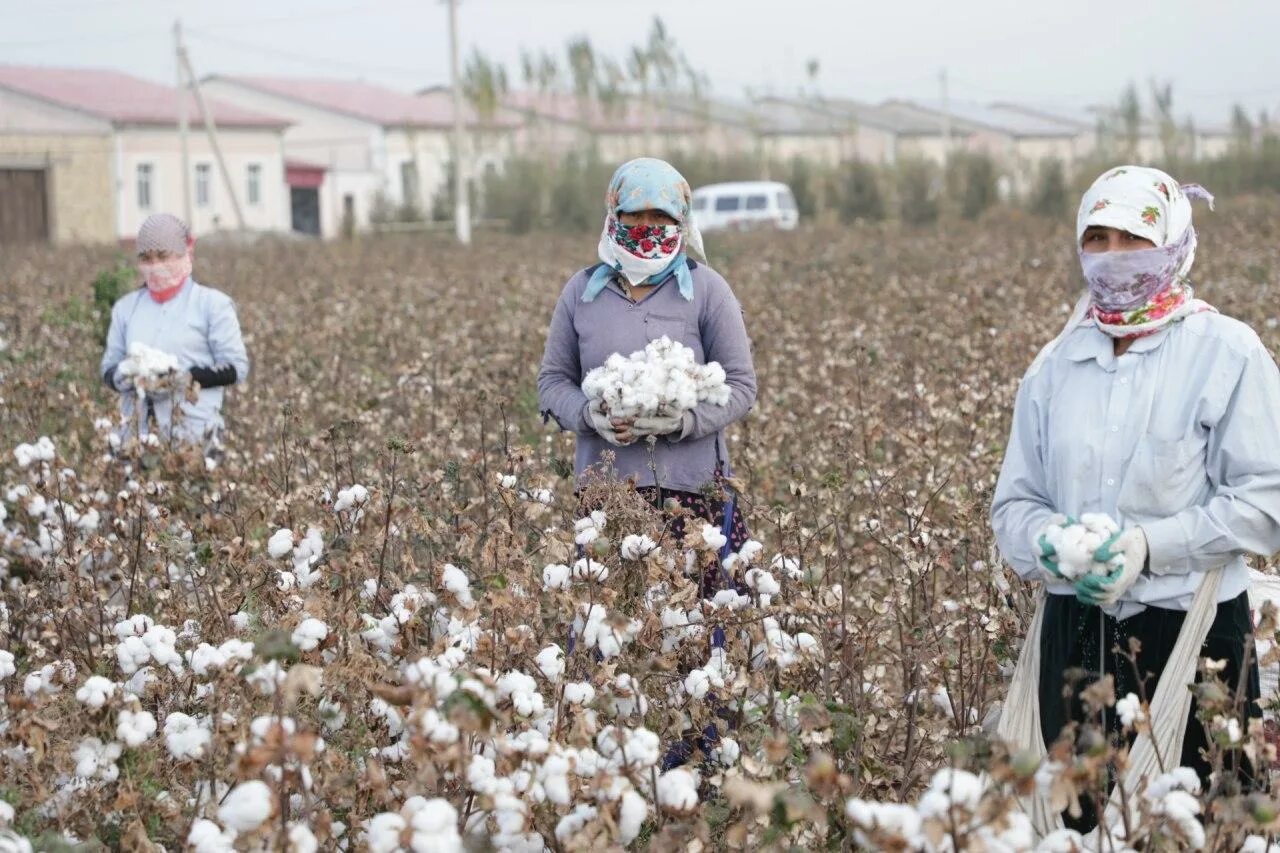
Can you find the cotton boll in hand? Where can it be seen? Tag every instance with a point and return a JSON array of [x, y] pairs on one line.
[[1075, 544], [662, 379]]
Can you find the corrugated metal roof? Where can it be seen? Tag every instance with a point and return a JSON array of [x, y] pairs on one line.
[[628, 115], [121, 98], [1000, 118], [433, 108]]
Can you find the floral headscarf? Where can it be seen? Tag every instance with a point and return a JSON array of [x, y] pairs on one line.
[[1145, 290], [646, 254], [1138, 292]]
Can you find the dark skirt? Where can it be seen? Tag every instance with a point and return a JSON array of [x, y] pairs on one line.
[[1070, 640]]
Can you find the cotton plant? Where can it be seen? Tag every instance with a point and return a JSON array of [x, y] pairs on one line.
[[662, 380]]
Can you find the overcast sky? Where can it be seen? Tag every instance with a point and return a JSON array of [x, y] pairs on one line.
[[1215, 52]]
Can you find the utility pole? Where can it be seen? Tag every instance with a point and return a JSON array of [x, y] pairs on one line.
[[461, 203], [946, 114], [182, 123], [184, 61]]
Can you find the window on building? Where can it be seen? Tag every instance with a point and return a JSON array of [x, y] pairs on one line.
[[409, 182], [202, 184], [728, 203], [145, 171], [254, 191], [757, 202]]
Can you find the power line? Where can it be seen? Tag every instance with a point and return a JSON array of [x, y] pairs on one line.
[[310, 59]]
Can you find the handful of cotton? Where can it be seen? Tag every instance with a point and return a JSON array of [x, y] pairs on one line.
[[148, 367], [663, 379], [1072, 543]]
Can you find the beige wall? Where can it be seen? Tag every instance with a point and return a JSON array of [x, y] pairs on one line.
[[241, 148], [79, 179]]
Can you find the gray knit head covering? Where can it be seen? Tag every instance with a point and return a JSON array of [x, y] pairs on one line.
[[163, 232]]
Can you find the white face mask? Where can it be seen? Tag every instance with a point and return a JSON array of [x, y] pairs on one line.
[[167, 274]]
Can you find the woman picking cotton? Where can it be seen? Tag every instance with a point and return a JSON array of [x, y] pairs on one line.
[[645, 289], [168, 334], [1146, 434]]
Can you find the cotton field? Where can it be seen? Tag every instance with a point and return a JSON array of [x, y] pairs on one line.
[[382, 621]]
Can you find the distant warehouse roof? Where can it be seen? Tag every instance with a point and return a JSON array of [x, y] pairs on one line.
[[121, 99]]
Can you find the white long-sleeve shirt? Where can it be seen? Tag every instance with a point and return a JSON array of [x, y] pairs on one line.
[[1180, 436], [199, 328]]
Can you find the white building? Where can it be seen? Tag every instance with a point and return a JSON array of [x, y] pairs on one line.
[[354, 146], [91, 131]]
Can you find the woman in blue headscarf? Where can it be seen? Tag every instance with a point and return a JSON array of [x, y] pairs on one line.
[[646, 287]]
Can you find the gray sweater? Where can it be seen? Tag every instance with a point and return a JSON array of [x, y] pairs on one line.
[[584, 334]]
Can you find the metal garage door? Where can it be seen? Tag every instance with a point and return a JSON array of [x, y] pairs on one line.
[[24, 211]]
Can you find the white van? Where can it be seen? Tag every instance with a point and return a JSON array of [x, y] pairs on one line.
[[745, 205]]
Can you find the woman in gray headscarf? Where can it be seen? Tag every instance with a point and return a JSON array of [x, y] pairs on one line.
[[168, 330]]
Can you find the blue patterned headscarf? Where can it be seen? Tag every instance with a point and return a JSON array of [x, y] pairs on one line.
[[648, 184]]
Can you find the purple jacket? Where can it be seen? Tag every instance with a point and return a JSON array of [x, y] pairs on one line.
[[584, 334]]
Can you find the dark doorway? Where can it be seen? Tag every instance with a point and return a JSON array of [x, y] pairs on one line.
[[24, 206], [305, 204]]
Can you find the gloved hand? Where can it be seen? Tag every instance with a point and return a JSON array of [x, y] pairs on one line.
[[1046, 556], [120, 381], [603, 425], [1125, 554], [657, 425]]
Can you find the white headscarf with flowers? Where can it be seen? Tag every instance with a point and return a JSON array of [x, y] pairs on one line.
[[1131, 294]]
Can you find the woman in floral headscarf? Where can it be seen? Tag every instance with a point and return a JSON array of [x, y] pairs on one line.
[[1156, 410], [646, 287]]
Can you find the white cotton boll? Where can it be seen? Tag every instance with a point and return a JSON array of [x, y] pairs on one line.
[[435, 828], [96, 760], [281, 543], [726, 752], [27, 455], [301, 839], [1177, 779], [555, 576], [383, 833], [1129, 709], [951, 788], [135, 727], [507, 481], [572, 823], [309, 634], [131, 654], [579, 693], [888, 818], [7, 667], [134, 626], [184, 736], [633, 811], [455, 580], [1062, 841], [697, 683], [207, 837], [523, 692], [1254, 844], [678, 790], [437, 729], [551, 662], [589, 568], [351, 497], [635, 547], [712, 537], [762, 582], [205, 658], [246, 807], [96, 691]]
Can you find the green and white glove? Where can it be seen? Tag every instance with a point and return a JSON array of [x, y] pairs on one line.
[[1125, 555], [1045, 553]]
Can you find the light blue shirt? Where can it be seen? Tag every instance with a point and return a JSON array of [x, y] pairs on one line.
[[1180, 436], [199, 327]]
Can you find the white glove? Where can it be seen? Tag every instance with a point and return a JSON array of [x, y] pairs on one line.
[[658, 425], [601, 423], [1125, 556]]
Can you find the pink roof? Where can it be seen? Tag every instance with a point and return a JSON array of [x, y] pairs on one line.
[[369, 101], [629, 115], [121, 98]]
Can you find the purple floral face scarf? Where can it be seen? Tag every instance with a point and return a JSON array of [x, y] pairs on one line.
[[1137, 293]]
